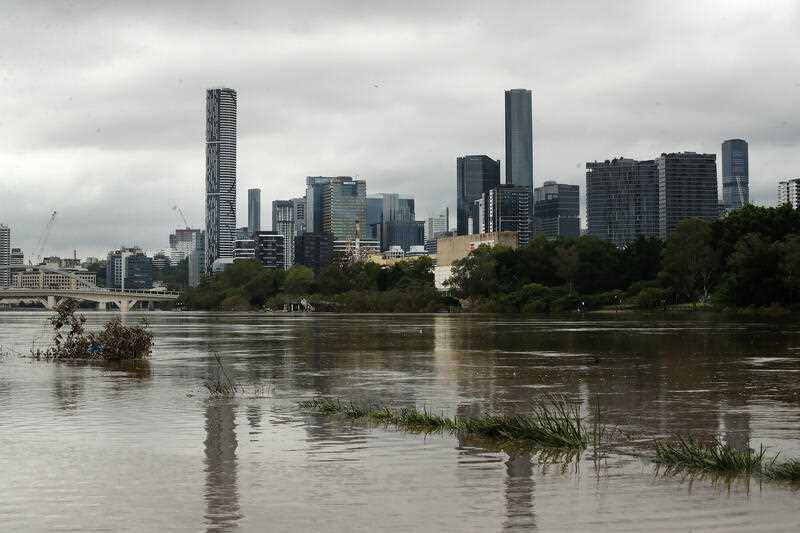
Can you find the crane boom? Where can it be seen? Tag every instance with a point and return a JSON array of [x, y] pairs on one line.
[[43, 239]]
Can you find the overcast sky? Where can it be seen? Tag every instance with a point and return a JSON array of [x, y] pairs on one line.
[[102, 110]]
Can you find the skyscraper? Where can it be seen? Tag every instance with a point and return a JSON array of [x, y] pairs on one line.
[[283, 222], [475, 175], [315, 191], [253, 210], [299, 215], [789, 192], [519, 138], [735, 174], [220, 174], [556, 210], [344, 208], [687, 187], [391, 220], [5, 256], [622, 199]]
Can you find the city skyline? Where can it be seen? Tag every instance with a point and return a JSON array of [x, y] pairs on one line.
[[86, 140]]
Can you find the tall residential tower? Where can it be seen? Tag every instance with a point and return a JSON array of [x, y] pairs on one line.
[[735, 174], [220, 175]]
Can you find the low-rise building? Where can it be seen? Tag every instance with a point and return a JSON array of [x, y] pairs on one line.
[[452, 248], [269, 249], [65, 279], [313, 250]]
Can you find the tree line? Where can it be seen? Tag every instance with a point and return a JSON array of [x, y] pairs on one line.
[[750, 258], [405, 286]]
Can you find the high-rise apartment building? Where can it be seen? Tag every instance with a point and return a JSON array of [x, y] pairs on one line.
[[129, 268], [687, 187], [735, 174], [507, 208], [789, 192], [181, 244], [519, 138], [622, 199], [220, 175], [5, 256], [283, 222], [475, 175], [253, 210], [556, 210], [344, 208]]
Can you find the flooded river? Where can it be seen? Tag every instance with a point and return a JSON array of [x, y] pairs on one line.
[[96, 448]]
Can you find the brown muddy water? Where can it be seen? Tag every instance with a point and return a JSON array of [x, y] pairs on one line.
[[98, 448]]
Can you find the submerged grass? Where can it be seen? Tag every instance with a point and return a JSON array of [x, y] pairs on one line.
[[786, 471], [688, 453], [556, 424]]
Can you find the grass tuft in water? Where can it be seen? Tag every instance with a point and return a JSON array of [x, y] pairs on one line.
[[688, 453], [556, 424], [786, 471]]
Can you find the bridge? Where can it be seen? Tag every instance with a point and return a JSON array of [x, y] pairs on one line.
[[83, 290], [124, 299]]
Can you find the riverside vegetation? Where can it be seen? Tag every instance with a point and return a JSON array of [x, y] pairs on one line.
[[115, 342], [748, 262]]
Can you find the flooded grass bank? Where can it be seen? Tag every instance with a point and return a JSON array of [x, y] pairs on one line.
[[554, 424]]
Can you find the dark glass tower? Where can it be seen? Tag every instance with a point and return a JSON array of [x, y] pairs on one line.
[[220, 174], [735, 174], [519, 138], [476, 174], [253, 211]]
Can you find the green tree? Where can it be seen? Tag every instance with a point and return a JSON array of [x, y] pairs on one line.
[[689, 259], [566, 262], [753, 276], [299, 280], [475, 275], [790, 268]]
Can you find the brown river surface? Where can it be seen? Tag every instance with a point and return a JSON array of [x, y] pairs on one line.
[[96, 448]]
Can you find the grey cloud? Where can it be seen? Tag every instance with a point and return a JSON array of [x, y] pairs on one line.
[[104, 114]]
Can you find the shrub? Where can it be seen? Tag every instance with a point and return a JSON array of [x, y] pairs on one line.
[[115, 342], [652, 298]]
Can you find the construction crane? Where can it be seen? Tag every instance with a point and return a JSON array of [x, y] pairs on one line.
[[42, 242], [180, 212]]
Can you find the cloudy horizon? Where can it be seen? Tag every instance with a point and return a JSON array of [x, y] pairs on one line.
[[104, 115]]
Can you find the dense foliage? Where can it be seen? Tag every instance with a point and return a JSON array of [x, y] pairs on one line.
[[749, 258], [115, 342], [406, 286]]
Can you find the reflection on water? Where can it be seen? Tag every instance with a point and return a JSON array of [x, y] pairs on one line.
[[67, 387], [125, 432], [222, 493], [519, 493]]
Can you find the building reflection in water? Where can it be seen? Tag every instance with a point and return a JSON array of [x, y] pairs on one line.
[[222, 492], [519, 492]]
